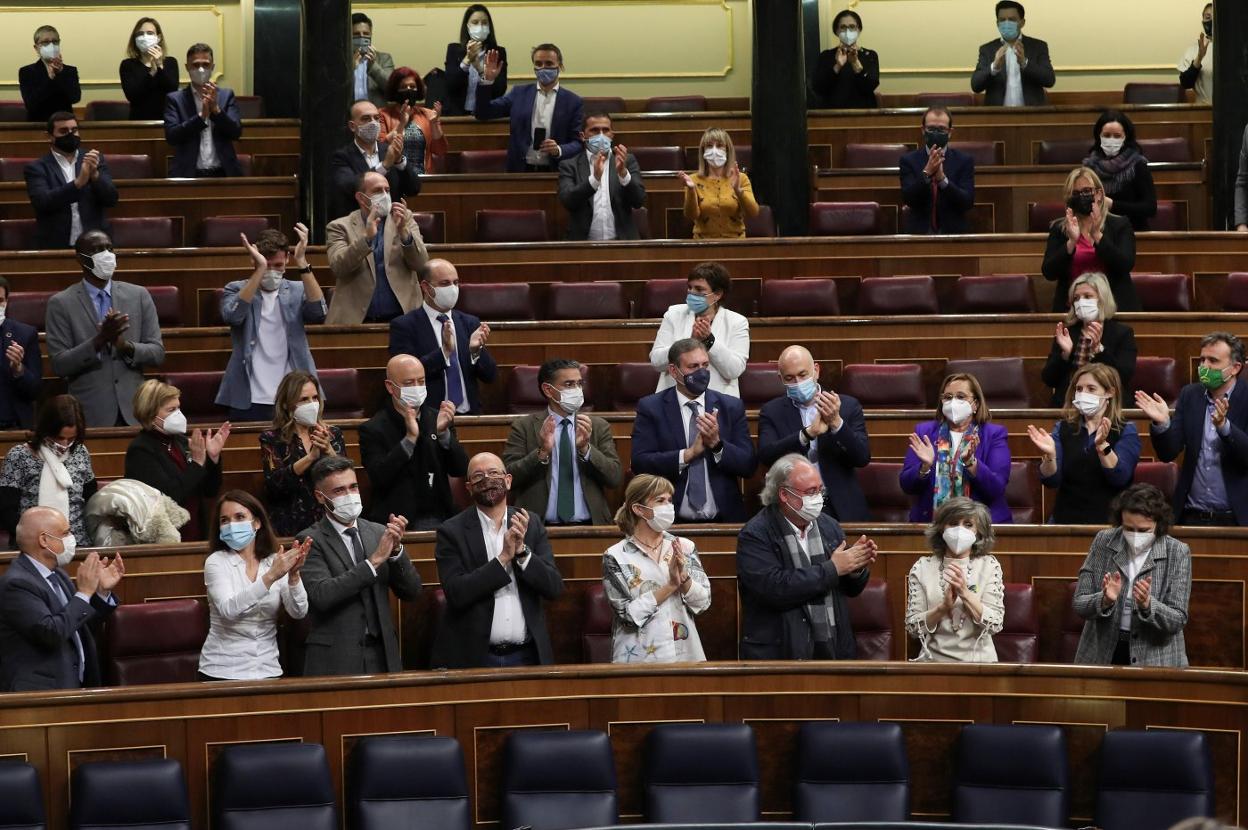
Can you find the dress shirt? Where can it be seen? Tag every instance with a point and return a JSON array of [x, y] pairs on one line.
[[451, 365], [242, 629], [543, 115], [95, 294], [1208, 487], [350, 546], [270, 356], [361, 81], [207, 150], [709, 509], [581, 511], [67, 170], [809, 413], [508, 626], [602, 226], [374, 159], [1013, 76], [1134, 564], [474, 80]]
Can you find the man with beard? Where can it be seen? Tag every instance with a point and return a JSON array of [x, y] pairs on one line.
[[496, 566]]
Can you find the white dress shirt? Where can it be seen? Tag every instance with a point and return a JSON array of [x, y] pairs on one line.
[[508, 626], [543, 115], [270, 355], [1134, 565], [67, 170], [360, 77], [1013, 76], [709, 508], [374, 159], [451, 365], [602, 226], [728, 355], [207, 150], [242, 630]]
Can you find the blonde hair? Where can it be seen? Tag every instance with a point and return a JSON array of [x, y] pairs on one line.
[[1084, 173], [1107, 377], [983, 416], [714, 134], [1104, 294], [151, 395], [640, 490]]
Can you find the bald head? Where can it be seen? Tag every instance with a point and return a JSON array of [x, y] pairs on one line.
[[796, 364], [485, 462], [439, 284], [32, 527], [402, 369]]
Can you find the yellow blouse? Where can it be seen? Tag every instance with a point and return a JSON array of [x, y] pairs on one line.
[[715, 210]]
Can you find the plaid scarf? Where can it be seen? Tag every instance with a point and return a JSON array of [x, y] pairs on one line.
[[822, 615], [949, 479], [1083, 351]]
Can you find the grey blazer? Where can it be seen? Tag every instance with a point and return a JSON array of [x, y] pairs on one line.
[[104, 382], [336, 608], [1156, 634]]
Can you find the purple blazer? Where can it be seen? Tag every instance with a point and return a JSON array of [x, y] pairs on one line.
[[988, 486]]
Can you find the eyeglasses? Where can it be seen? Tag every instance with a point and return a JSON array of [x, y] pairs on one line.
[[481, 478], [1086, 191], [822, 491]]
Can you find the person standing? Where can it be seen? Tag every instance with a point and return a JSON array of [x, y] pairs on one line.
[[1123, 169], [49, 84], [719, 196], [937, 181], [1013, 71], [148, 72], [1090, 239], [465, 62], [602, 186], [846, 77], [724, 333], [1196, 65], [202, 122], [1089, 334], [545, 117], [371, 149], [370, 68], [22, 368], [68, 189]]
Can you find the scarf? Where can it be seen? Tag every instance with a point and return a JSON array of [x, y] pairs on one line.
[[54, 482], [949, 479], [1116, 173], [820, 611]]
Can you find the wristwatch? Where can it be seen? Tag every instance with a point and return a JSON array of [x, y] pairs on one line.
[[307, 269], [524, 551], [1107, 449]]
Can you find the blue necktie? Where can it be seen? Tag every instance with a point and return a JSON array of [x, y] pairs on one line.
[[695, 488], [101, 305], [454, 387], [59, 591]]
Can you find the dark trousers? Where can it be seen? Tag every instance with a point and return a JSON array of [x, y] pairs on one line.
[[213, 173], [373, 656], [1122, 651], [1207, 518], [255, 412], [526, 655]]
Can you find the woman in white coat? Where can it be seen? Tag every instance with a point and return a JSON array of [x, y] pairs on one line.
[[703, 317]]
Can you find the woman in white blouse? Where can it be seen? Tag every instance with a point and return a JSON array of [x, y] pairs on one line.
[[653, 580], [955, 598], [247, 581], [703, 317]]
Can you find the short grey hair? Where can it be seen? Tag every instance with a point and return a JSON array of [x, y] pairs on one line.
[[327, 466], [778, 476], [1232, 342], [952, 512]]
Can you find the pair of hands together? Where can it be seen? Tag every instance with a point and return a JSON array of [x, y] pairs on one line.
[[1111, 587], [99, 575]]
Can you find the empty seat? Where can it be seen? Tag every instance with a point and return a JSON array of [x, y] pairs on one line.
[[604, 103], [524, 395], [859, 156], [1164, 292], [511, 226], [244, 163], [1072, 627], [105, 795], [29, 307], [553, 780], [596, 626], [1164, 475], [21, 799], [885, 385], [994, 294], [1011, 775], [11, 168], [1236, 297], [845, 218], [432, 226], [1169, 217], [870, 615], [407, 781], [633, 381], [341, 388], [1142, 93], [155, 642], [984, 153], [799, 298], [1004, 380], [851, 772], [761, 226], [250, 106], [272, 786], [198, 391], [493, 301], [1041, 215], [700, 772], [145, 232], [11, 111], [658, 158], [759, 383], [659, 295], [133, 166], [1151, 779], [1020, 492], [1154, 376], [168, 304], [483, 161], [744, 154], [1166, 149], [1018, 641], [676, 103], [17, 234], [641, 221], [881, 486], [944, 99], [586, 301], [898, 295], [1070, 152], [223, 231]]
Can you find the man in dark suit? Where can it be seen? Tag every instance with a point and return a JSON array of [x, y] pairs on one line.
[[1013, 71], [496, 566], [68, 189], [367, 151], [410, 449], [544, 116], [352, 567], [202, 122], [561, 460], [596, 213], [1210, 429], [449, 344], [937, 181], [45, 636], [696, 438], [21, 370], [48, 85], [827, 428], [795, 570]]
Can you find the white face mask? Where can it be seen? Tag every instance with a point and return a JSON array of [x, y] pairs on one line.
[[849, 37], [347, 508], [67, 555], [664, 516], [811, 507], [572, 399], [145, 42], [446, 296], [1139, 541], [308, 413], [413, 396], [956, 410], [1087, 404], [958, 539], [270, 280], [479, 33], [50, 51], [379, 203], [200, 75], [174, 423], [715, 156], [1112, 146], [104, 264], [1087, 309]]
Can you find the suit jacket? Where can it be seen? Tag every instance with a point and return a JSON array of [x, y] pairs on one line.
[[457, 80], [839, 453], [577, 195], [416, 485], [414, 334], [565, 123], [1118, 350], [729, 353], [17, 394], [104, 382], [1187, 424], [355, 271], [953, 202], [183, 126], [37, 651], [148, 461], [51, 197], [846, 89], [469, 579], [1116, 250], [1037, 75], [43, 95], [774, 593], [659, 438], [988, 486], [346, 166], [531, 483], [336, 608], [378, 75]]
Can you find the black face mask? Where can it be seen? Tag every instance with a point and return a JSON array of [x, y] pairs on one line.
[[1081, 203], [1208, 27], [68, 143], [936, 138], [409, 96]]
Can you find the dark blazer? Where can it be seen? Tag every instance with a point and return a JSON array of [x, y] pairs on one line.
[[51, 197], [183, 125], [565, 123], [779, 428], [577, 195], [1037, 75], [988, 486], [413, 486], [413, 334], [17, 394], [774, 593], [147, 92], [659, 438], [469, 579], [846, 89], [43, 95], [1116, 251], [457, 80], [148, 460], [953, 201], [1119, 351], [345, 167], [1137, 199], [37, 651], [1184, 434], [336, 586], [530, 478]]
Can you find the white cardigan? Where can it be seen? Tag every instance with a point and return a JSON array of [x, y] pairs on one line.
[[728, 356]]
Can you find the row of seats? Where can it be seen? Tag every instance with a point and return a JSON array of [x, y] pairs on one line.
[[120, 166], [249, 106], [147, 232]]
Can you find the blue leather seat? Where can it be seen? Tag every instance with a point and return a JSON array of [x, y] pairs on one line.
[[851, 772], [21, 799], [556, 780], [407, 781], [698, 773], [1152, 779], [273, 786], [1011, 775], [129, 794]]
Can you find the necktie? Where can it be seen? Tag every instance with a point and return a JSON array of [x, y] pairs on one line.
[[567, 495], [371, 619], [454, 386], [101, 305], [935, 195], [60, 591], [695, 489]]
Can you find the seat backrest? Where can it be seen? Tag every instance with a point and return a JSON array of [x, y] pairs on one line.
[[1156, 376], [859, 156], [799, 298], [103, 795], [984, 153], [944, 99], [29, 307], [845, 219], [11, 168], [604, 103], [1164, 292], [676, 103], [11, 111], [633, 381], [1168, 217], [994, 294], [494, 301], [1153, 778], [21, 799], [898, 295], [872, 621], [885, 385], [199, 393], [511, 226], [483, 161], [1011, 775], [659, 295], [1004, 380], [1142, 93], [244, 163], [700, 772], [273, 786], [596, 626], [524, 395], [1166, 149], [1018, 641], [1020, 492], [1067, 151], [132, 166], [17, 234], [155, 642], [1236, 297], [558, 779], [761, 226], [650, 159], [223, 231], [341, 388], [145, 232], [744, 154], [407, 781], [759, 383], [250, 106], [1164, 475], [432, 226], [847, 772], [1072, 627], [881, 486], [586, 301], [1040, 215], [641, 221]]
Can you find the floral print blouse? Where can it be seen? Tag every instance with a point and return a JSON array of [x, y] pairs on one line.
[[641, 630], [957, 637], [22, 470], [292, 507]]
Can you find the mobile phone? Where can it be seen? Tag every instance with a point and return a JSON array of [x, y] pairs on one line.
[[539, 135]]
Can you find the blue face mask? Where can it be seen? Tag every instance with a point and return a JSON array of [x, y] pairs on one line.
[[697, 382], [802, 392], [238, 535], [697, 303], [1008, 29], [546, 77], [599, 144]]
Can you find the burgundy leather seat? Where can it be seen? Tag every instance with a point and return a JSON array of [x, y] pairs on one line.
[[608, 104], [483, 161], [1068, 151], [250, 106], [845, 219], [1236, 298], [342, 393], [586, 301], [493, 301], [657, 296], [432, 226], [871, 618], [11, 111], [29, 307], [596, 626], [1018, 641], [759, 383], [762, 226], [1040, 215], [743, 152], [1020, 492], [210, 311], [199, 391], [1142, 93], [145, 232], [861, 156], [17, 234], [511, 226], [985, 153], [944, 99], [650, 159], [633, 381], [11, 168], [1164, 292], [994, 294], [168, 304], [641, 221], [155, 642], [223, 231], [131, 166], [1003, 379], [881, 484], [1155, 376], [676, 103], [885, 385], [1164, 475], [1168, 217], [1072, 628], [898, 295], [1166, 149], [799, 298], [524, 396], [244, 163]]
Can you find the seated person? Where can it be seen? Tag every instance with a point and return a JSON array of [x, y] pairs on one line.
[[370, 68], [267, 315], [1013, 71], [419, 126], [544, 116], [49, 84], [1090, 238], [719, 197], [1089, 334], [723, 332], [21, 370], [1123, 169], [1196, 65], [202, 122], [148, 73], [68, 189], [465, 62], [593, 212], [846, 77], [937, 181], [369, 150]]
